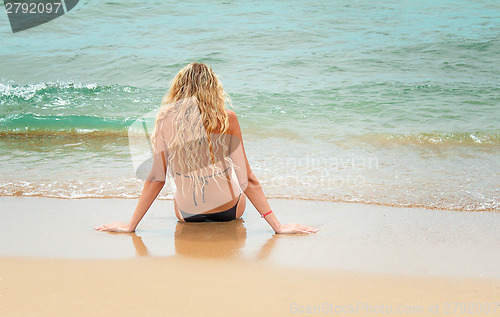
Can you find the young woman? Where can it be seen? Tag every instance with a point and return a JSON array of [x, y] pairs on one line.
[[198, 142]]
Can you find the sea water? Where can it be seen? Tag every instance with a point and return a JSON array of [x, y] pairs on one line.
[[385, 102]]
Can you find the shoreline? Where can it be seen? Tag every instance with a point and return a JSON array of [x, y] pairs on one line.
[[275, 197]]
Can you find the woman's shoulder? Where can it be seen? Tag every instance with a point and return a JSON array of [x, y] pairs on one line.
[[231, 116], [230, 113], [233, 121]]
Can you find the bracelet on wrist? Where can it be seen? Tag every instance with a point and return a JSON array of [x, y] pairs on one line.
[[267, 213]]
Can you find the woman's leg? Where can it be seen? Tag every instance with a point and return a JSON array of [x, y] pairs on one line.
[[178, 213], [240, 209]]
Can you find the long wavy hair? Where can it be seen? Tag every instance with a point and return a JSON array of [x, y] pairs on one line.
[[195, 108]]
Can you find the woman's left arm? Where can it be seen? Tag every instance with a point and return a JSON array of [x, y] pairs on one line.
[[149, 193]]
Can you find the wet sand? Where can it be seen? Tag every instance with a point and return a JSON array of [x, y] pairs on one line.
[[365, 260]]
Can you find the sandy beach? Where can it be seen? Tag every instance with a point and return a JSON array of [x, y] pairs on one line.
[[365, 260]]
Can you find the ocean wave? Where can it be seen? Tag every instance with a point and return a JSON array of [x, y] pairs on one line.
[[492, 205], [32, 123], [128, 189], [29, 91], [478, 138], [70, 98]]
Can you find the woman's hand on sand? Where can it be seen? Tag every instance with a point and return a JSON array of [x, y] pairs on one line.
[[115, 227], [295, 228]]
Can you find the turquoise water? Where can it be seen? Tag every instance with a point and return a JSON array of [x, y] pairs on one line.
[[393, 102]]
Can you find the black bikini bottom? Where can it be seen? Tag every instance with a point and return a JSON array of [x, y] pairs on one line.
[[226, 215]]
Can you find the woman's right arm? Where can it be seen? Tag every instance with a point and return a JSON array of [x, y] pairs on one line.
[[254, 190]]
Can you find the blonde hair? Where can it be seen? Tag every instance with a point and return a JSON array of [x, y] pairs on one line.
[[195, 103]]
